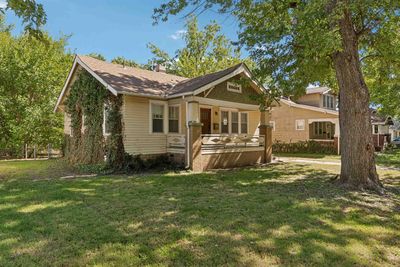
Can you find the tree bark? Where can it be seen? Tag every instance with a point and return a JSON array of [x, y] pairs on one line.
[[358, 168]]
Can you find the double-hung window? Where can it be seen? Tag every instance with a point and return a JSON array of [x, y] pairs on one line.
[[300, 125], [173, 119], [244, 123], [106, 120], [328, 101], [235, 122], [157, 117], [225, 122]]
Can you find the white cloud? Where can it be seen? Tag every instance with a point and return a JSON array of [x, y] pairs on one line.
[[177, 35], [3, 4]]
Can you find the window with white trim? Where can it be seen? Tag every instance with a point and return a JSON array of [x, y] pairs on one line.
[[234, 87], [300, 125], [272, 123], [244, 123], [235, 122], [173, 119], [224, 121], [157, 118], [328, 101], [106, 122], [376, 129]]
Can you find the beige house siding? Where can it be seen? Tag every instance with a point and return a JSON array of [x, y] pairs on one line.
[[312, 100], [136, 121], [285, 118]]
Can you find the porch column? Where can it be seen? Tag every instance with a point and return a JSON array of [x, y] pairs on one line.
[[266, 131], [337, 136], [194, 148]]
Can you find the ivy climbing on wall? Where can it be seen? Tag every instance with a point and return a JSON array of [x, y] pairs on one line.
[[85, 106]]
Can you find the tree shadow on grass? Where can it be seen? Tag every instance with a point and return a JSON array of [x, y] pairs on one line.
[[284, 214]]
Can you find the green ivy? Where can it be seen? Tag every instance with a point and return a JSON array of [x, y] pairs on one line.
[[86, 100]]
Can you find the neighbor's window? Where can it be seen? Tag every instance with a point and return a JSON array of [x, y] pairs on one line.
[[173, 119], [376, 129], [328, 101], [157, 115], [235, 122], [243, 123], [300, 125], [106, 122], [224, 121], [234, 87]]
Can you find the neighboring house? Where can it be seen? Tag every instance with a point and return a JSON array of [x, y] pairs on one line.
[[381, 129], [313, 116], [207, 122], [394, 129]]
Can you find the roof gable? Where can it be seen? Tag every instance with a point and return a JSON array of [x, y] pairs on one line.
[[135, 81]]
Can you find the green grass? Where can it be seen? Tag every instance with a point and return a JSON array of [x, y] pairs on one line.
[[282, 215], [389, 159]]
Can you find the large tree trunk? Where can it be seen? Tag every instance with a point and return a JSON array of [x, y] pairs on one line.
[[358, 168]]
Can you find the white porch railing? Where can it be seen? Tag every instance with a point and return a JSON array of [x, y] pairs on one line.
[[176, 143], [226, 141]]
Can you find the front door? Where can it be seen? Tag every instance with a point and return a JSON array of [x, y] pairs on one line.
[[205, 119]]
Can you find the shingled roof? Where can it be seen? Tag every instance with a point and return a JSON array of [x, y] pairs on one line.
[[121, 79], [193, 84], [132, 80]]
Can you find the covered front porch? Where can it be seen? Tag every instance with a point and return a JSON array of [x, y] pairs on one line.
[[222, 134], [325, 131]]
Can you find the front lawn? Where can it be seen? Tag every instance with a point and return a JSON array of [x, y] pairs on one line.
[[390, 159], [285, 215]]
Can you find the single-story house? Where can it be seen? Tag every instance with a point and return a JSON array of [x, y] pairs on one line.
[[212, 121]]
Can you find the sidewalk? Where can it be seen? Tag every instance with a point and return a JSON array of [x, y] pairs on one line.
[[323, 162]]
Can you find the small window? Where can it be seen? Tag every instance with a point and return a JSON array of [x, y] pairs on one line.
[[173, 119], [235, 122], [376, 129], [272, 123], [300, 125], [328, 101], [234, 87], [243, 123], [225, 122], [157, 115], [106, 122]]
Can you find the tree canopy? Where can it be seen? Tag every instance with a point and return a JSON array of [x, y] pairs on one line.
[[125, 62], [347, 44], [206, 50], [32, 74], [32, 14]]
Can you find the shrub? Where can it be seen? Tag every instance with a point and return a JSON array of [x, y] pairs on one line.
[[135, 164], [309, 146]]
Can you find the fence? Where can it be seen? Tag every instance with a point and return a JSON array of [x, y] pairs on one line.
[[30, 152]]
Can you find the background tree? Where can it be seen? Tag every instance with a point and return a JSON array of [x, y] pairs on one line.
[[32, 72], [32, 14], [125, 62], [301, 42], [97, 56], [205, 51]]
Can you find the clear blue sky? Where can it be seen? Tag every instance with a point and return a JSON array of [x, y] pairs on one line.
[[117, 27]]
